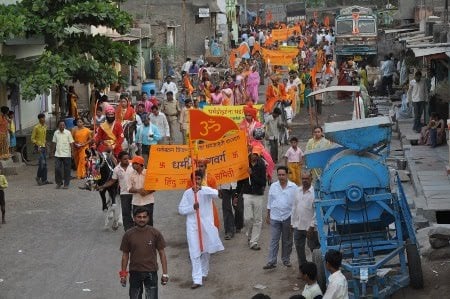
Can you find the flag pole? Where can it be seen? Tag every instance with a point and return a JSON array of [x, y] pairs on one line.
[[194, 183]]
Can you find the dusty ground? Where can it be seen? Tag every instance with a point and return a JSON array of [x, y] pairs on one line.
[[54, 246]]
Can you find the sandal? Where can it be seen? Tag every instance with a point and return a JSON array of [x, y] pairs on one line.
[[255, 247]]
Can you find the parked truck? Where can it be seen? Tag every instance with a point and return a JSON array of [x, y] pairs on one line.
[[356, 35]]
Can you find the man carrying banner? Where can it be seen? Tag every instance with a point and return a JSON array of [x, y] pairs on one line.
[[210, 181], [209, 239], [109, 135]]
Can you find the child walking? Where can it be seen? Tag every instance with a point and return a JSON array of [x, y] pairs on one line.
[[293, 159]]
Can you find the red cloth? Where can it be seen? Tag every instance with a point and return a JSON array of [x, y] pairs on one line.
[[249, 109], [102, 136]]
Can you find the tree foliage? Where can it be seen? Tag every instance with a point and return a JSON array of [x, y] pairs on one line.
[[69, 54]]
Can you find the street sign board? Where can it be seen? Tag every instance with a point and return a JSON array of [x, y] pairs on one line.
[[295, 12], [203, 12]]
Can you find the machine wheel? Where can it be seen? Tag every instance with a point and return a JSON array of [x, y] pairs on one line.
[[414, 266], [321, 277]]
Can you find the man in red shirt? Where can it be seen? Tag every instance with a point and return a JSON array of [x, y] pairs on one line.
[[109, 135]]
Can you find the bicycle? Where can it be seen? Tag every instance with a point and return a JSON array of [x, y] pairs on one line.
[[31, 157]]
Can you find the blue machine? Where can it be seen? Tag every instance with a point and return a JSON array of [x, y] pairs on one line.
[[358, 214]]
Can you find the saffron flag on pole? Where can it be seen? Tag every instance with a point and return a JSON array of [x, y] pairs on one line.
[[209, 128]]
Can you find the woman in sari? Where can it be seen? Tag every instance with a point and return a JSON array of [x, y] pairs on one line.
[[318, 141], [4, 138], [249, 124], [72, 99], [124, 112], [253, 84], [82, 137], [217, 97], [12, 132], [206, 87]]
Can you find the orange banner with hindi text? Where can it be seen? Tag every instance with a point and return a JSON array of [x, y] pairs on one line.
[[169, 166]]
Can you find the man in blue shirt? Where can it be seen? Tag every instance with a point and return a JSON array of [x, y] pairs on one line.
[[279, 207], [147, 135]]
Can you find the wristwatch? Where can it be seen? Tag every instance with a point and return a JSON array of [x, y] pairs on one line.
[[165, 276]]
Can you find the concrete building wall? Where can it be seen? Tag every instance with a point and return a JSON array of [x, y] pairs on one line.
[[162, 14]]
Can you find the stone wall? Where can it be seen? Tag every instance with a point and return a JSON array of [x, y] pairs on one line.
[[169, 13]]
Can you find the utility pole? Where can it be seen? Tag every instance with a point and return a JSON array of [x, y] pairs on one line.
[[184, 31], [245, 12]]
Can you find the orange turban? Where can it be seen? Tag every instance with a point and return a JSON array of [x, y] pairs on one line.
[[257, 149], [249, 110]]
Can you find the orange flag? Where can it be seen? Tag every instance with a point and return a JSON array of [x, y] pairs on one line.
[[326, 21], [301, 44], [243, 49], [210, 128], [256, 48]]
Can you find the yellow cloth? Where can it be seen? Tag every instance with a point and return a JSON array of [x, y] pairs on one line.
[[81, 138], [314, 144], [3, 182], [39, 135], [295, 172]]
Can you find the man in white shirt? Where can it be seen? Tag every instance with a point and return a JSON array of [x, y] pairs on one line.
[[120, 174], [303, 218], [387, 71], [261, 37], [200, 209], [418, 95], [337, 283], [63, 155], [141, 197], [308, 273], [169, 86], [187, 65], [251, 43], [159, 119], [279, 208]]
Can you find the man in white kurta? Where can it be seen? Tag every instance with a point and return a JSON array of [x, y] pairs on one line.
[[210, 235]]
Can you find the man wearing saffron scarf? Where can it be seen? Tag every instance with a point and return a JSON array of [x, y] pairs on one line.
[[109, 135], [274, 92], [210, 181]]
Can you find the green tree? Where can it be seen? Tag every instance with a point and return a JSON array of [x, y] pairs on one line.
[[70, 53]]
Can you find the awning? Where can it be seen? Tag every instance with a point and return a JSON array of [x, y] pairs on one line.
[[399, 30], [419, 52]]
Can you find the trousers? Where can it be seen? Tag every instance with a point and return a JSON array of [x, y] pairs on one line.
[[418, 111], [300, 241], [42, 168], [200, 267], [253, 205], [125, 201], [280, 229], [139, 281], [62, 170]]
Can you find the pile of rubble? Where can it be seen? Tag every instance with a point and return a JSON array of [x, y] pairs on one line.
[[434, 242]]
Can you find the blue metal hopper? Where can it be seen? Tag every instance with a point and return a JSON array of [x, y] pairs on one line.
[[360, 134]]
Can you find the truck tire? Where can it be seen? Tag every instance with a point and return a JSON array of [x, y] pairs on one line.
[[414, 266], [321, 277]]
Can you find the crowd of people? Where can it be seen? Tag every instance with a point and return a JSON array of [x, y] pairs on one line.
[[126, 131]]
